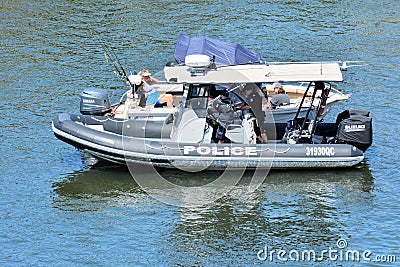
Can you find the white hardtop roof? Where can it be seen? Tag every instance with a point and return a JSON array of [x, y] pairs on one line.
[[257, 73]]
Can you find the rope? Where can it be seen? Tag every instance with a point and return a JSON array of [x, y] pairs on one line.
[[221, 149], [163, 147], [108, 119], [275, 151]]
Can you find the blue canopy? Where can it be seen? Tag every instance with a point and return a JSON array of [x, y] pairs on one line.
[[225, 53]]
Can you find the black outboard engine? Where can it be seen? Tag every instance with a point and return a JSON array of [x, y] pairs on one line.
[[354, 127], [94, 102]]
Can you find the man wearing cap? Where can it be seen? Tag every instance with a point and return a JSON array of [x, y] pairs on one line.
[[146, 77], [149, 95], [280, 98]]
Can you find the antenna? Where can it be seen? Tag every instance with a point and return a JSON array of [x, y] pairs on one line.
[[321, 68], [344, 66]]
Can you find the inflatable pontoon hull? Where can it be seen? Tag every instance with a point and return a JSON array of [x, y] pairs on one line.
[[126, 141]]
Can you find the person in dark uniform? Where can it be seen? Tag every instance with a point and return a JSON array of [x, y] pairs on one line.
[[222, 112], [253, 100]]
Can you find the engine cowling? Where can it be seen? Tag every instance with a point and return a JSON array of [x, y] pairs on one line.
[[94, 102], [354, 127]]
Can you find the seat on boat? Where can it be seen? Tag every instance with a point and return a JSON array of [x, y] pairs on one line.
[[138, 128], [190, 128], [236, 134]]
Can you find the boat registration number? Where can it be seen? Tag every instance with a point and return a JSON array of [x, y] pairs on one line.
[[320, 151]]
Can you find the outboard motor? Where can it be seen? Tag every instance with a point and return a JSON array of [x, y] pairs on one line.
[[354, 127], [94, 102]]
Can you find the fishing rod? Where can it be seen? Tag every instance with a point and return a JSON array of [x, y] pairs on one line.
[[110, 55]]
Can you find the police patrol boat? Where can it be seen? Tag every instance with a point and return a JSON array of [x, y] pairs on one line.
[[187, 138]]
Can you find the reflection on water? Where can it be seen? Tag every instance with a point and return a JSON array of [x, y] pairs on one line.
[[96, 188], [290, 209], [113, 181]]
